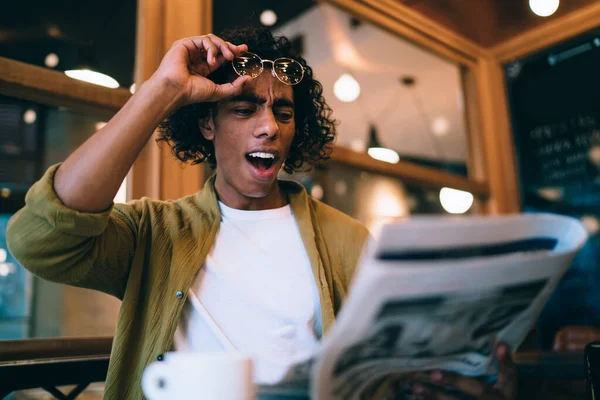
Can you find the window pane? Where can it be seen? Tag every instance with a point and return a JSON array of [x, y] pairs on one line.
[[67, 35], [384, 90], [33, 137]]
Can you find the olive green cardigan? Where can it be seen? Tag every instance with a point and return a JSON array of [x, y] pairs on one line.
[[147, 253]]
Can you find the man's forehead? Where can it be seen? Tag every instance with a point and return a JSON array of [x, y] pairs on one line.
[[267, 86]]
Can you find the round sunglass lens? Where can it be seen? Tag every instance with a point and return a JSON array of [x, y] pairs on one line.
[[247, 64], [288, 70]]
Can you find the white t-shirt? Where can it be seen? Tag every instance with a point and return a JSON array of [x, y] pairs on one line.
[[255, 294]]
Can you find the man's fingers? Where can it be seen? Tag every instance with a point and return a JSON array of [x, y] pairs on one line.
[[462, 383], [237, 49], [230, 89], [422, 392], [506, 383]]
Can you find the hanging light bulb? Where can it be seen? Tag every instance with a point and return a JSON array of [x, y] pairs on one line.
[[455, 201], [377, 151], [94, 77], [346, 88], [84, 71], [544, 8]]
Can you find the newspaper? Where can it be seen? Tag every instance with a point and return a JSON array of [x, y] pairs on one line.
[[438, 293]]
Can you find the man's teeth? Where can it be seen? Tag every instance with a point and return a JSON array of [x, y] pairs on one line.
[[262, 155]]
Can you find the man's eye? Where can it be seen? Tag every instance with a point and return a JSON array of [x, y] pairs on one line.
[[285, 116], [243, 111]]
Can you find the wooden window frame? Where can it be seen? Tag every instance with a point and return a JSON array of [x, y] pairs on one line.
[[491, 159]]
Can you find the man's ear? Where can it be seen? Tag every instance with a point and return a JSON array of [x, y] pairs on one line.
[[207, 127]]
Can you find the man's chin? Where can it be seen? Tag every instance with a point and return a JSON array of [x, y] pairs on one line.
[[260, 189]]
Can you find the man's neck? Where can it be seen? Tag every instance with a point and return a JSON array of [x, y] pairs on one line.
[[233, 199]]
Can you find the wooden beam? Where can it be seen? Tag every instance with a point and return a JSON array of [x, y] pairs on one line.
[[556, 31], [183, 18], [429, 27], [156, 173], [409, 172], [144, 176], [496, 137], [408, 24], [54, 88]]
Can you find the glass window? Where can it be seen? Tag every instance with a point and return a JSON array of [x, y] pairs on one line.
[[65, 36], [385, 91], [32, 138]]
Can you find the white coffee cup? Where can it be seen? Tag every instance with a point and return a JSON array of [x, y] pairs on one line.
[[188, 375]]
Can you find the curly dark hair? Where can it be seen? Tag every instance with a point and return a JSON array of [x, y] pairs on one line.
[[315, 129]]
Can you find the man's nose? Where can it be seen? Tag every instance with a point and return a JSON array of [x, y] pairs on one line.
[[267, 125]]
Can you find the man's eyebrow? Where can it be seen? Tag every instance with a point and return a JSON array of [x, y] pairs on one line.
[[283, 102], [249, 98], [253, 98]]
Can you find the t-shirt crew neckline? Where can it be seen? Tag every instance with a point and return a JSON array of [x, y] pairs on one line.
[[236, 214]]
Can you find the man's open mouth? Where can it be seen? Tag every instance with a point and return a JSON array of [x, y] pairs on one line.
[[261, 161]]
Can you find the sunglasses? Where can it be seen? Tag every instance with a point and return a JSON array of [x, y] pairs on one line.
[[287, 70]]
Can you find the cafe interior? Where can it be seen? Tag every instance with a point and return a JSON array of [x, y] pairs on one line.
[[445, 108]]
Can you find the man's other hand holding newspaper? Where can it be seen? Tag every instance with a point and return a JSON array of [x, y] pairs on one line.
[[442, 385]]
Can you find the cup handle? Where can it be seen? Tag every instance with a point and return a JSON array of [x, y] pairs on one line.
[[154, 381]]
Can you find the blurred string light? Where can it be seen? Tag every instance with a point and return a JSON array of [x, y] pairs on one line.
[[440, 126], [93, 77], [544, 8], [594, 155], [51, 60], [591, 224], [29, 116], [346, 88], [268, 18], [317, 191], [455, 201], [132, 88]]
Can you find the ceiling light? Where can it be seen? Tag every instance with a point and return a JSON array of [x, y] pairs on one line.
[[268, 18], [377, 151], [440, 126], [591, 224], [357, 145], [4, 269], [317, 191], [346, 88], [455, 201], [383, 154], [544, 8], [594, 155], [94, 77], [51, 60], [29, 116]]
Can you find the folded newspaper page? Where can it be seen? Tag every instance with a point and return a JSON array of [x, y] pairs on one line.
[[439, 293]]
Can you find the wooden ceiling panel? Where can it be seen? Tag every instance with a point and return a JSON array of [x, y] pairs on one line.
[[488, 22]]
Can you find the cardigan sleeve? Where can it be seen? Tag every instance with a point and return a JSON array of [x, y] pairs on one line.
[[56, 243]]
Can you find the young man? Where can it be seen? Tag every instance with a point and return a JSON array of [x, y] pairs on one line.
[[267, 263]]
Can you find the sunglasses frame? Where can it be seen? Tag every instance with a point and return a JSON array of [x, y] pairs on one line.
[[262, 68]]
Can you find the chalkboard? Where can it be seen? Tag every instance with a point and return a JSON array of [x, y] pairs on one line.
[[561, 163], [554, 102], [554, 99]]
